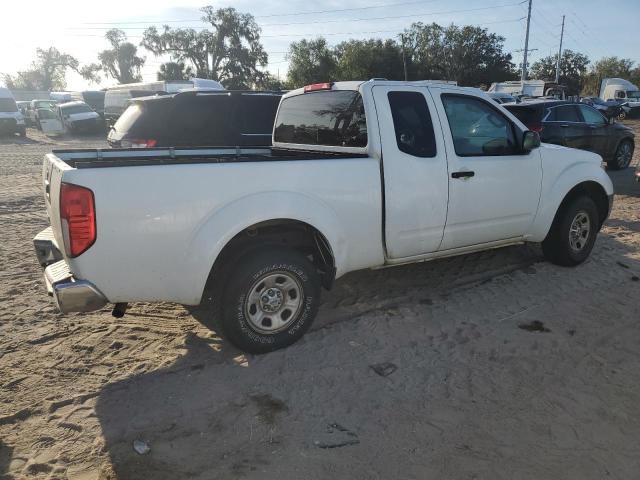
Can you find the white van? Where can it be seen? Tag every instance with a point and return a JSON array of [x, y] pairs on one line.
[[11, 120]]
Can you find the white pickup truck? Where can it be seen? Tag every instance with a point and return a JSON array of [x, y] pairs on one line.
[[361, 175]]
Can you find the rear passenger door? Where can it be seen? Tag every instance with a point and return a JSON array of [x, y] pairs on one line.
[[574, 131], [414, 170]]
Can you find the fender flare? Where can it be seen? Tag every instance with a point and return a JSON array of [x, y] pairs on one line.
[[242, 213], [553, 197]]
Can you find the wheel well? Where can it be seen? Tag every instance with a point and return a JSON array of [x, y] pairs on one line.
[[293, 234], [592, 190]]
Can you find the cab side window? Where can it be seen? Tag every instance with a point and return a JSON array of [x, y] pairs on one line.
[[412, 124], [477, 128]]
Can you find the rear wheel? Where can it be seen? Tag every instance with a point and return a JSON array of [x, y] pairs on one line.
[[573, 233], [270, 300], [622, 158]]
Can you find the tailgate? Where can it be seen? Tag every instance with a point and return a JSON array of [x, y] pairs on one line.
[[52, 171]]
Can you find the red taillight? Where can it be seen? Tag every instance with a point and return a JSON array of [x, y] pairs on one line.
[[78, 218], [538, 128], [318, 86], [138, 142]]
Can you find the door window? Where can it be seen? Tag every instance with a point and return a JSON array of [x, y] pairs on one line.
[[566, 113], [412, 124], [592, 116], [477, 128]]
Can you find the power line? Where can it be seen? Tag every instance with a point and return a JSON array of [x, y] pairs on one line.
[[314, 12], [311, 34], [315, 22]]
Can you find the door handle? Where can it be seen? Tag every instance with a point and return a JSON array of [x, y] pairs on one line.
[[564, 125], [462, 174]]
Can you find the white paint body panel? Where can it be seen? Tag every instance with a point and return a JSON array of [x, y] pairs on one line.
[[161, 227]]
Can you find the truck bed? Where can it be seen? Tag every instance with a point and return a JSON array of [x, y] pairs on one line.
[[133, 157]]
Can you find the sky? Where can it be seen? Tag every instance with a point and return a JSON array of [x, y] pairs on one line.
[[594, 27]]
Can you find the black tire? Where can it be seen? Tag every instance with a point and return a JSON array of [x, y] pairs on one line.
[[622, 156], [238, 312], [558, 247], [23, 132]]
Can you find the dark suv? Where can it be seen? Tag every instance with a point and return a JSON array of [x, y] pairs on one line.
[[197, 119], [578, 125]]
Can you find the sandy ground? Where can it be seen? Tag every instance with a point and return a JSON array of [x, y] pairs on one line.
[[495, 365]]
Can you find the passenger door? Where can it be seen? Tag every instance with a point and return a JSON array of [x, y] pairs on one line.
[[49, 122], [494, 187], [598, 130], [414, 170]]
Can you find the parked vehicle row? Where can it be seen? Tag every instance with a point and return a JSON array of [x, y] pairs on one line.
[[578, 125], [360, 175]]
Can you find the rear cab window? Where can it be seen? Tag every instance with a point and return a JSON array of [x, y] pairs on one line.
[[324, 118], [412, 124]]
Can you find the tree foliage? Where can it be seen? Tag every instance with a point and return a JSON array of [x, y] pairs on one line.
[[365, 59], [174, 71], [310, 61], [470, 55], [573, 70], [47, 72], [229, 52], [121, 61]]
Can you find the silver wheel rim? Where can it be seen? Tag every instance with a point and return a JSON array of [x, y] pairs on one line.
[[624, 154], [579, 231], [273, 303]]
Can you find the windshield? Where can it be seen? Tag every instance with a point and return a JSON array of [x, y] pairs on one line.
[[8, 105], [44, 104], [76, 109]]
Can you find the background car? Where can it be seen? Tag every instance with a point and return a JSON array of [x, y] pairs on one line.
[[609, 108], [197, 118], [578, 125], [78, 117], [36, 106], [93, 98], [11, 120]]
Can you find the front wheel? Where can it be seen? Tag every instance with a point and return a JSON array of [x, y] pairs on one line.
[[622, 158], [270, 300], [573, 233]]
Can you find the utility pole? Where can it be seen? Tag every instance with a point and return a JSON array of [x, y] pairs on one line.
[[559, 53], [404, 59], [526, 48]]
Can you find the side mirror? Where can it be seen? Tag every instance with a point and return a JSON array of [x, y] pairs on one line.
[[530, 140]]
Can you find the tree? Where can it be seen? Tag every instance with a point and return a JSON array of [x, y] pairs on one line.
[[311, 61], [120, 61], [230, 52], [47, 72], [573, 70], [470, 55], [174, 71], [364, 59]]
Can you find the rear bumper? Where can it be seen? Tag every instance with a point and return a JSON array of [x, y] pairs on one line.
[[69, 293]]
